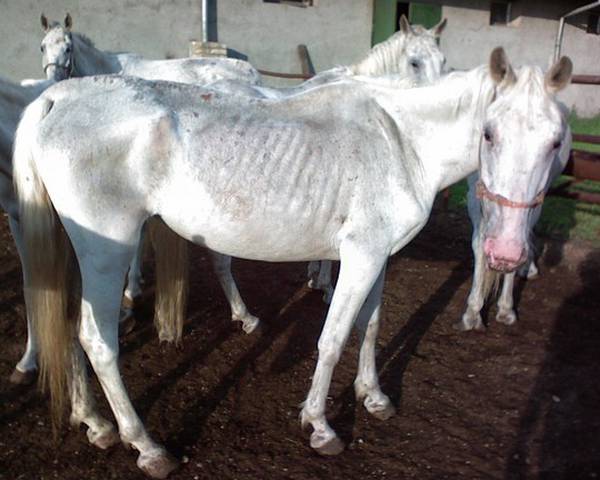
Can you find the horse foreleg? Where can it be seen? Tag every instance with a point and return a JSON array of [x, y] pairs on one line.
[[366, 384], [471, 319], [239, 311], [506, 313], [102, 278], [358, 272], [25, 371]]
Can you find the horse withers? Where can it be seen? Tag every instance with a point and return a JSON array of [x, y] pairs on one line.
[[344, 171]]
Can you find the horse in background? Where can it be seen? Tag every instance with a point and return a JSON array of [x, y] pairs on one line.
[[13, 100]]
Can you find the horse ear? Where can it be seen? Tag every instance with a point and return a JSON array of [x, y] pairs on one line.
[[439, 28], [68, 21], [44, 21], [500, 69], [405, 25], [559, 75]]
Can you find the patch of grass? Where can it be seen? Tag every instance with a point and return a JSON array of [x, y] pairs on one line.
[[585, 126], [562, 218]]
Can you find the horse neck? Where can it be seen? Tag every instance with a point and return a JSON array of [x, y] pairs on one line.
[[441, 125], [383, 58], [91, 61]]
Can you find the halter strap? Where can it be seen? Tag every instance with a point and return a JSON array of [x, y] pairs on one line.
[[68, 68], [483, 192]]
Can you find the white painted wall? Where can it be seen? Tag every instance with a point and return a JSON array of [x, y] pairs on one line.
[[335, 32], [468, 40]]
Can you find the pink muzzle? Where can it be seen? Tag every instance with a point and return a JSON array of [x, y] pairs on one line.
[[505, 254]]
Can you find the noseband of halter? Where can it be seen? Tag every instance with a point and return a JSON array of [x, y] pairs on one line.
[[68, 68], [483, 192]]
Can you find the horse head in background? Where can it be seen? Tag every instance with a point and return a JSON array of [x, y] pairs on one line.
[[412, 52], [57, 48]]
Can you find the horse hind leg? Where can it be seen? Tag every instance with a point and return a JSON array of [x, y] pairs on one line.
[[25, 372], [366, 385], [358, 272], [319, 278], [239, 311], [100, 432], [102, 279]]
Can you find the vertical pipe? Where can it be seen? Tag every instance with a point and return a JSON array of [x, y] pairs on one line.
[[204, 21]]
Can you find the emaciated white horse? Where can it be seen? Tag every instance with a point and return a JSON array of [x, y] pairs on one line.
[[346, 171], [412, 53], [13, 100]]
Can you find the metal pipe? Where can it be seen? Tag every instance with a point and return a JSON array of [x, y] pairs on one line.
[[561, 26], [204, 21]]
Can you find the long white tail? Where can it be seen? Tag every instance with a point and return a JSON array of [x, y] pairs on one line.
[[47, 260]]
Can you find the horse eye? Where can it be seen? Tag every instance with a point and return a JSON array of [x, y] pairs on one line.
[[414, 64], [556, 144], [42, 48], [487, 134], [68, 50]]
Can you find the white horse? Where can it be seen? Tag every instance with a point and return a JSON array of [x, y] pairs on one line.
[[13, 100], [346, 171], [67, 54], [484, 279], [412, 53]]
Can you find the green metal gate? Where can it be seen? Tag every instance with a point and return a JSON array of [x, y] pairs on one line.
[[386, 14]]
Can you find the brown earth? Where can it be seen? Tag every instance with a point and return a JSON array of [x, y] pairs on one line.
[[511, 403]]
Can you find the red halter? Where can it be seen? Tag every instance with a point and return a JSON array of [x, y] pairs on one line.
[[483, 192]]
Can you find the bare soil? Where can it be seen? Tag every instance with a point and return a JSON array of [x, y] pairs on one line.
[[511, 403]]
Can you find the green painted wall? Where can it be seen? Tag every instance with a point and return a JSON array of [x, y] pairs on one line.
[[384, 17]]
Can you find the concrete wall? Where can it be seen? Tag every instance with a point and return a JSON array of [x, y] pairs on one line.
[[335, 32], [154, 28], [469, 39]]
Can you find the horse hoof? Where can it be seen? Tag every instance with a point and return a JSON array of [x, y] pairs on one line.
[[333, 446], [23, 378], [104, 440], [126, 323], [249, 324], [384, 412], [507, 318], [468, 322], [158, 465]]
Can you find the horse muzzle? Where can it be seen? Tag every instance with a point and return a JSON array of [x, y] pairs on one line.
[[504, 256]]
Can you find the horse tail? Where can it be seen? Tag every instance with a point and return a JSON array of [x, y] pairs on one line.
[[171, 256], [46, 262], [491, 283]]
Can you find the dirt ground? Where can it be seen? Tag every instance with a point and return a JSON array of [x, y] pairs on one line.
[[511, 403]]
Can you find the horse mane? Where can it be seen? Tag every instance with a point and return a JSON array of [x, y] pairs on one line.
[[383, 57], [84, 39]]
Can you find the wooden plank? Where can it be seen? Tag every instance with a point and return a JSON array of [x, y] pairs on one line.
[[299, 76], [579, 137], [307, 66], [586, 79]]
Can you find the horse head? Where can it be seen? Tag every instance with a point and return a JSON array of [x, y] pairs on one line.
[[412, 53], [522, 133], [57, 49]]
